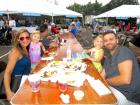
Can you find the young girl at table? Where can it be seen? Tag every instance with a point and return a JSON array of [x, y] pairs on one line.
[[97, 52], [35, 49]]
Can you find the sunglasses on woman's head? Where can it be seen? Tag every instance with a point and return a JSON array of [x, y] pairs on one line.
[[23, 38]]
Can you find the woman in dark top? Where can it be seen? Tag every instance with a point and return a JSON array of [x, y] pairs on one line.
[[18, 61]]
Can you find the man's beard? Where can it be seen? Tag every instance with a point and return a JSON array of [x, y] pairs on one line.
[[111, 47]]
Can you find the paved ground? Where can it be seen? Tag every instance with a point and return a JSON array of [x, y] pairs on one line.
[[85, 38], [4, 52]]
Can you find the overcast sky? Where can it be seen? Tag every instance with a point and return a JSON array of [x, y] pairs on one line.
[[65, 3]]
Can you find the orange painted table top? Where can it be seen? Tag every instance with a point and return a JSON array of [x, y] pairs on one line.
[[49, 92]]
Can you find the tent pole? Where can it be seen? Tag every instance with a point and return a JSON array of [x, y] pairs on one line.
[[107, 21], [52, 18], [83, 21], [8, 15]]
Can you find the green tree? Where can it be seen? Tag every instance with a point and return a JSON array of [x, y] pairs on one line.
[[97, 8], [90, 8], [116, 3], [76, 7]]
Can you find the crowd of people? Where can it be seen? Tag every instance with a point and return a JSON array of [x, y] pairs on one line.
[[116, 64]]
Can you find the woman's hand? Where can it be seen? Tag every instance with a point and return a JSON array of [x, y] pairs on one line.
[[10, 95]]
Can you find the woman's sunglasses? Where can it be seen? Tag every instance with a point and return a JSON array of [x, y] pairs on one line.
[[23, 38]]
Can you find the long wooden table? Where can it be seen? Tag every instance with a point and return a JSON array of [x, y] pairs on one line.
[[49, 92]]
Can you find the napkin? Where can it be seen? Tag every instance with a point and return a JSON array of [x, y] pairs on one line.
[[76, 79], [89, 78], [99, 87], [65, 98]]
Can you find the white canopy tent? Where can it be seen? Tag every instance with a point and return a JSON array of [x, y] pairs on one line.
[[34, 6], [122, 11]]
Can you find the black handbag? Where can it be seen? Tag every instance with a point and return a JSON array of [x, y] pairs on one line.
[[15, 83], [2, 87], [4, 102]]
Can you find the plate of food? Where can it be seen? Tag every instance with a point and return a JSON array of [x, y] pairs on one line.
[[52, 54], [76, 66], [48, 73], [55, 64], [74, 78]]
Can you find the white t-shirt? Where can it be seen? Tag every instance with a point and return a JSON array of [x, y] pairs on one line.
[[12, 23], [1, 23]]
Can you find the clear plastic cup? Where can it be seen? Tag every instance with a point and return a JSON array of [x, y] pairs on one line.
[[62, 83], [34, 81]]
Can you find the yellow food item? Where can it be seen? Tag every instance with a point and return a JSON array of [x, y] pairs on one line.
[[49, 74]]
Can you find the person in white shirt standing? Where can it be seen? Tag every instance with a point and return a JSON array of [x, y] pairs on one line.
[[12, 22], [1, 23]]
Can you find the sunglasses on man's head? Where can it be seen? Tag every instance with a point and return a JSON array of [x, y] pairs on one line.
[[23, 38]]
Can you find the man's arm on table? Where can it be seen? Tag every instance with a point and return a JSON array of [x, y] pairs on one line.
[[125, 70]]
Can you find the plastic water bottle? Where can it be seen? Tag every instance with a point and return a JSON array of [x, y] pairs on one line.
[[84, 54], [69, 52]]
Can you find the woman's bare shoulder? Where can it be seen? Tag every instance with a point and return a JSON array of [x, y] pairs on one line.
[[14, 52]]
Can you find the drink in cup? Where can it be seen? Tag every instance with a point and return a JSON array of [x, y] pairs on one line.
[[62, 83], [34, 81]]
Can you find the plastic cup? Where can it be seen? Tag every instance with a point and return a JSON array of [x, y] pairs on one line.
[[62, 83], [78, 94], [34, 81]]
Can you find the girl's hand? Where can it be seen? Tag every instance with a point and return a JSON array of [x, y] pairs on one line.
[[87, 57]]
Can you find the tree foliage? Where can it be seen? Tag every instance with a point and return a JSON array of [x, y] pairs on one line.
[[97, 8], [116, 3]]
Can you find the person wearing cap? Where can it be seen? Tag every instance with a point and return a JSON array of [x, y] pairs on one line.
[[54, 29]]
